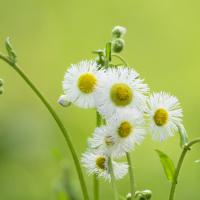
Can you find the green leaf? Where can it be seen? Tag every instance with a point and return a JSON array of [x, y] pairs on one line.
[[167, 164], [11, 53], [108, 51], [183, 135]]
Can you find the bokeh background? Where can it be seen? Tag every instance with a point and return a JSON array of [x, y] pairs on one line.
[[162, 43]]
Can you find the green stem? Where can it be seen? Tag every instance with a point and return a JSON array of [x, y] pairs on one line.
[[120, 58], [58, 121], [131, 175], [96, 180], [179, 165], [112, 178], [96, 187]]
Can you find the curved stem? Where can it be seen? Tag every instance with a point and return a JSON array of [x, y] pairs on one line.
[[96, 180], [112, 178], [120, 58], [131, 175], [58, 121], [179, 165]]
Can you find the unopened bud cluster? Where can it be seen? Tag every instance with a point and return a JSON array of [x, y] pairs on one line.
[[118, 42]]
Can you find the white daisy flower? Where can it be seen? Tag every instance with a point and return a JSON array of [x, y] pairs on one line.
[[80, 83], [165, 115], [96, 163], [120, 89], [123, 131], [102, 140]]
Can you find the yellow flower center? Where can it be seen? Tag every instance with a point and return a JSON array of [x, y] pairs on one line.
[[125, 129], [161, 117], [100, 162], [121, 94], [87, 82]]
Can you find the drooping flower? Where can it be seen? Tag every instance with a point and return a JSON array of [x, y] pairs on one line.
[[164, 115], [80, 83], [120, 89], [63, 101], [96, 163]]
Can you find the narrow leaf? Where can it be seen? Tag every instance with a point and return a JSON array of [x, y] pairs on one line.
[[167, 164], [183, 135], [108, 51], [10, 50]]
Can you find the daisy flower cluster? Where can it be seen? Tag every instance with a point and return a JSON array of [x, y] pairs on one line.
[[125, 106]]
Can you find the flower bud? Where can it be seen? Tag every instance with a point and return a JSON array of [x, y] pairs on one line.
[[118, 31], [118, 45], [100, 60], [128, 196], [63, 101], [1, 82], [143, 195], [1, 91], [147, 194]]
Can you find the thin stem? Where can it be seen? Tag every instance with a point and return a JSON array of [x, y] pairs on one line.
[[96, 187], [131, 175], [6, 59], [179, 165], [96, 180], [58, 121], [98, 119], [112, 178], [120, 58]]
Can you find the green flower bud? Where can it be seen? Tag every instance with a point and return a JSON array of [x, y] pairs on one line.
[[147, 194], [118, 31], [1, 82], [1, 91], [100, 60], [144, 195], [118, 45], [63, 101], [128, 196]]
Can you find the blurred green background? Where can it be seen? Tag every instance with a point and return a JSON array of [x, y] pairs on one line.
[[162, 43]]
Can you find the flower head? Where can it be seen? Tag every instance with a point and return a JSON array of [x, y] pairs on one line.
[[80, 83], [96, 163], [120, 89], [164, 115], [123, 131]]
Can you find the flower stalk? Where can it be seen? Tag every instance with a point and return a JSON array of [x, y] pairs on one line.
[[96, 180], [113, 178], [56, 118], [131, 176], [186, 148]]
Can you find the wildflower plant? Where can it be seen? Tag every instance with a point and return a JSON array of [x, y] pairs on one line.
[[126, 111]]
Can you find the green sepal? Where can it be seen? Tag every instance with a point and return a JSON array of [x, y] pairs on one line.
[[183, 135], [11, 53]]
